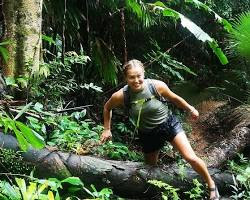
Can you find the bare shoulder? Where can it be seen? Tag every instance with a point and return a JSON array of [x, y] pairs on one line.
[[116, 99], [118, 95]]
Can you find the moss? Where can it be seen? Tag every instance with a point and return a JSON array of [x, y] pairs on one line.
[[12, 162]]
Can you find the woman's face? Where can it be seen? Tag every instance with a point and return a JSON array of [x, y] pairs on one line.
[[135, 78]]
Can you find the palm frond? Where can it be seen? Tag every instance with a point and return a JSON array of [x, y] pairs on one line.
[[193, 28], [240, 36], [167, 65], [140, 10], [105, 61]]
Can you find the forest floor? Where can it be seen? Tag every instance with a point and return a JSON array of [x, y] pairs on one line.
[[202, 135]]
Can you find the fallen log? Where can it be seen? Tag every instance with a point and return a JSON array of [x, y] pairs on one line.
[[223, 132], [125, 178]]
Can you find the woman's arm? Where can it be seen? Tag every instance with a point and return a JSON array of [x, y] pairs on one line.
[[163, 90], [115, 100]]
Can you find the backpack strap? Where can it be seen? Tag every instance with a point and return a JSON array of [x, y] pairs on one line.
[[126, 99], [154, 91]]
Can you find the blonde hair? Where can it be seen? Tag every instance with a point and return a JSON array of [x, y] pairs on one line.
[[130, 64]]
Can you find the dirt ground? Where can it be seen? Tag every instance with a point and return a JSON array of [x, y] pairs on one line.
[[202, 136]]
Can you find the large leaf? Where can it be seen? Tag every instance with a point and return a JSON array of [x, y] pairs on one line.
[[218, 52], [9, 191], [73, 181], [34, 138], [21, 140], [227, 26], [193, 28]]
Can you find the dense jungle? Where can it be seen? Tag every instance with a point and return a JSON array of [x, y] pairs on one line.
[[61, 60]]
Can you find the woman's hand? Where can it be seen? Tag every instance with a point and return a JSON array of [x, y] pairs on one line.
[[105, 136], [194, 113]]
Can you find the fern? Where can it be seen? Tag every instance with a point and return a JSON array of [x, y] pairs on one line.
[[166, 65], [105, 61], [240, 36]]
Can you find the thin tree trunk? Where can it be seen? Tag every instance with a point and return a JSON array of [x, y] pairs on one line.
[[123, 33], [63, 30], [23, 20]]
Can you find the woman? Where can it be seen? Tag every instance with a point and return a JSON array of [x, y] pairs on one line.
[[155, 124]]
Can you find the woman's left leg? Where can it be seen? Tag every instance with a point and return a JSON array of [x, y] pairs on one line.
[[181, 143], [151, 158]]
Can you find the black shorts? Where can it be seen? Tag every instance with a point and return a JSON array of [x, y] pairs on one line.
[[155, 138]]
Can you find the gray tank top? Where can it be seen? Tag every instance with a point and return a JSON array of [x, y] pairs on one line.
[[153, 112]]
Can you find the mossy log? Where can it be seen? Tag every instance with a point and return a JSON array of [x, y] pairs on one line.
[[126, 178]]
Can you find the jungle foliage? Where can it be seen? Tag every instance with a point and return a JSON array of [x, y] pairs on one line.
[[200, 48]]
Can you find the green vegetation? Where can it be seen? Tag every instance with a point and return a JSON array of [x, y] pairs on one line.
[[241, 170], [50, 189], [201, 49]]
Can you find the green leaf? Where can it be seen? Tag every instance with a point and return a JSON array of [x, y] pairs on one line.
[[23, 82], [38, 107], [135, 7], [73, 181], [48, 39], [9, 191], [105, 60], [138, 8], [23, 111], [22, 186], [5, 43], [10, 81], [239, 37], [218, 52], [196, 31], [4, 52], [170, 13], [21, 140], [159, 3], [226, 25], [34, 138]]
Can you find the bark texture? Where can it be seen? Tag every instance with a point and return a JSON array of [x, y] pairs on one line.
[[23, 20]]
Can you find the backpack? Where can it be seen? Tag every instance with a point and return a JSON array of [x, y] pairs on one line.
[[152, 89]]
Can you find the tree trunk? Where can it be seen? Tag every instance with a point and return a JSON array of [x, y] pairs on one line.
[[23, 20], [126, 178]]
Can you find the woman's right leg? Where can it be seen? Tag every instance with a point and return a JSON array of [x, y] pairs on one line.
[[182, 144]]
